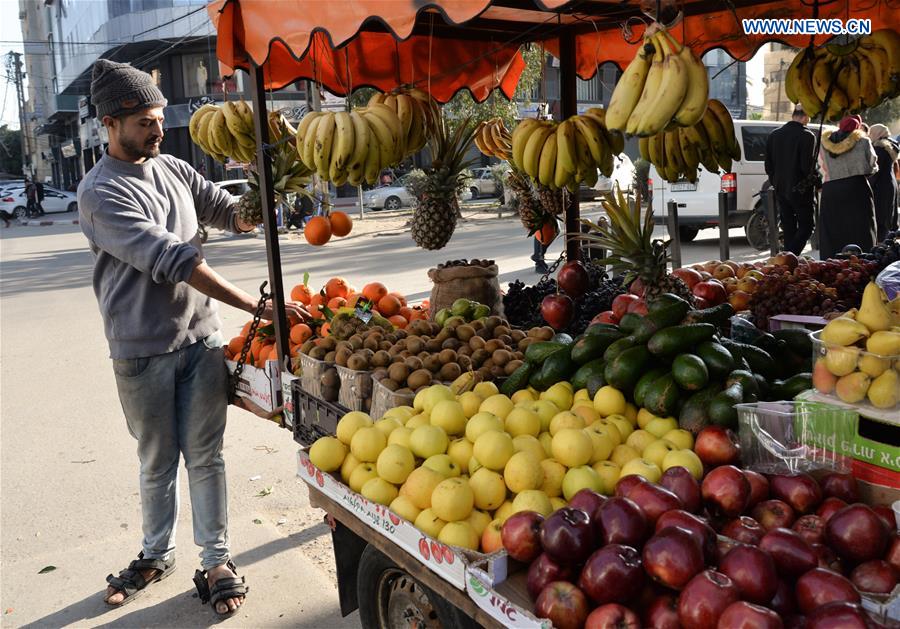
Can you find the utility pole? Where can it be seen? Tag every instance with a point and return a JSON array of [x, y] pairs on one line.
[[20, 99]]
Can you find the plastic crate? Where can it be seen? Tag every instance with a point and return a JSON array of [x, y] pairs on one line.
[[314, 417]]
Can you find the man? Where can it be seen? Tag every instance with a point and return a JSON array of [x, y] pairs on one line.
[[139, 211], [39, 192], [790, 165], [30, 198]]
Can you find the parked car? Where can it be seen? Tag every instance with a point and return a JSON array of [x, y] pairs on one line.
[[396, 196], [622, 175], [236, 187], [698, 203], [483, 184], [13, 200]]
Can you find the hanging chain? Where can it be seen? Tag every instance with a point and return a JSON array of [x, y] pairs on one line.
[[251, 334]]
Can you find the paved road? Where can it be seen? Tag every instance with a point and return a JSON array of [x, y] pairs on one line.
[[69, 470]]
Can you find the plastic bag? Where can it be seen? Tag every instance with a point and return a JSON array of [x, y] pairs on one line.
[[889, 280], [743, 331]]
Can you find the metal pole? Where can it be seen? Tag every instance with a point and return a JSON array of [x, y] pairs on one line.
[[359, 191], [772, 217], [723, 226], [674, 235], [267, 198], [568, 94]]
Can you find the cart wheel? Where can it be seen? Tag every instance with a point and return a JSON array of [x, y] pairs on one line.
[[389, 597]]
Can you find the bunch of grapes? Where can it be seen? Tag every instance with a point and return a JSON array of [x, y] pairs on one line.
[[593, 303], [522, 304]]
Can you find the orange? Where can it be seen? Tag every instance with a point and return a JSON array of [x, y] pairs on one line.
[[336, 303], [341, 224], [301, 293], [317, 231], [337, 287], [398, 321], [400, 297], [256, 346], [389, 306], [246, 329], [325, 329], [300, 333], [374, 291], [406, 313], [547, 233], [236, 344]]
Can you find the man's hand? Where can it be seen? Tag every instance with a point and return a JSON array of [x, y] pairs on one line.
[[242, 225], [291, 307]]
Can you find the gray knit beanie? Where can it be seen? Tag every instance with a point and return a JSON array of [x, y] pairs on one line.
[[118, 88]]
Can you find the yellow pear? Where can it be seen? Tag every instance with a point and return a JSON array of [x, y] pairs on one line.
[[841, 361], [852, 388], [884, 391], [874, 312]]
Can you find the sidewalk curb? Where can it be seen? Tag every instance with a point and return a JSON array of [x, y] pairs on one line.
[[35, 223]]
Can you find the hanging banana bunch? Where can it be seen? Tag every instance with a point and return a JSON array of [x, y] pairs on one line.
[[665, 84], [493, 139], [859, 75]]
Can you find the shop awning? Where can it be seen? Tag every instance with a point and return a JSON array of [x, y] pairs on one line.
[[345, 44]]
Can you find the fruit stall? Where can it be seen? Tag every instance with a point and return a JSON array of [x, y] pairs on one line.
[[620, 445]]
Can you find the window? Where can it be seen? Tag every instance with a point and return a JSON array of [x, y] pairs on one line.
[[754, 138], [201, 76]]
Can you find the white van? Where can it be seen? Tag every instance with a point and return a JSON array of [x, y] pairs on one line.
[[698, 203]]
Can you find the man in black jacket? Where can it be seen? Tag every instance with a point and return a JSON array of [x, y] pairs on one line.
[[791, 167]]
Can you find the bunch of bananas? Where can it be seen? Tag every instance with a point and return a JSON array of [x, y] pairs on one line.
[[678, 152], [418, 112], [493, 139], [665, 84], [565, 154], [224, 131], [858, 75]]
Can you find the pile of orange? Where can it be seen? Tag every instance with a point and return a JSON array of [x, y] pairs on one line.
[[320, 229]]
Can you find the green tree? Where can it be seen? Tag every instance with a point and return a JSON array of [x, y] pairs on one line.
[[10, 150], [887, 113]]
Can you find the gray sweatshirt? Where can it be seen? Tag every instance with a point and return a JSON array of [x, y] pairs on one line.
[[141, 223]]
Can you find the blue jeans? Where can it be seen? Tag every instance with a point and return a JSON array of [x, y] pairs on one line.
[[175, 404]]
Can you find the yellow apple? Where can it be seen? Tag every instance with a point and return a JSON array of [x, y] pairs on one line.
[[403, 506], [609, 476], [579, 478], [459, 534], [523, 471], [480, 423], [429, 523], [610, 428], [572, 447], [657, 451], [563, 420], [350, 423], [631, 412], [603, 445], [522, 397], [435, 394], [449, 416], [379, 490], [621, 422], [460, 451], [641, 467], [681, 438], [661, 425], [582, 394], [686, 459], [491, 539], [489, 489], [347, 467], [387, 425], [559, 394], [533, 500], [554, 473], [609, 401], [444, 464], [479, 520], [470, 402], [426, 441], [504, 511], [400, 436], [546, 440], [327, 454], [474, 466], [498, 404], [401, 413], [644, 417], [523, 421], [415, 421], [493, 449], [557, 503], [546, 410], [621, 454], [360, 475], [395, 464], [453, 499], [367, 443], [639, 440], [527, 443], [587, 412], [484, 390], [419, 485]]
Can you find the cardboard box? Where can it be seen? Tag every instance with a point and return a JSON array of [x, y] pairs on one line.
[[288, 412], [260, 386], [790, 321], [506, 602], [447, 562]]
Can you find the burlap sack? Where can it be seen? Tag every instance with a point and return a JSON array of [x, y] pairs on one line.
[[477, 283]]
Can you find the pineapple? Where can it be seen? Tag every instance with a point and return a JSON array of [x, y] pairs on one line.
[[250, 207], [537, 204], [632, 251], [434, 218]]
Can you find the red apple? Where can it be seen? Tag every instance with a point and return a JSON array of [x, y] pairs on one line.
[[887, 517], [620, 303], [662, 613], [753, 572], [838, 616], [587, 500], [743, 615], [654, 500], [811, 528], [829, 507], [521, 534], [672, 557], [557, 310], [723, 271], [639, 307], [745, 530], [759, 487], [543, 571], [726, 491], [874, 576], [841, 486], [626, 483], [793, 555], [773, 514], [704, 599], [704, 275], [710, 265], [637, 287], [612, 616], [739, 300], [492, 537], [827, 558], [712, 291], [747, 284], [573, 279], [613, 574], [682, 483], [568, 536], [784, 602], [819, 587], [563, 604], [785, 258], [856, 533], [893, 553], [724, 545], [607, 316], [799, 490], [688, 276], [620, 521], [716, 446], [701, 304], [697, 526]]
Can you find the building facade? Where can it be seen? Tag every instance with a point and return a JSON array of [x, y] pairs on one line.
[[776, 60]]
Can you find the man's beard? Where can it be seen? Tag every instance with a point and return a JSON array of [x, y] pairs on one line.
[[135, 150]]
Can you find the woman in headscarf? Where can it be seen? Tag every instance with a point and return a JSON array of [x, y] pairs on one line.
[[847, 209], [884, 184]]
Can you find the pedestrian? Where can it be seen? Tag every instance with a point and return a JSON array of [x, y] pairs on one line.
[[39, 189], [140, 210], [540, 264], [847, 216], [884, 184], [791, 167], [30, 198]]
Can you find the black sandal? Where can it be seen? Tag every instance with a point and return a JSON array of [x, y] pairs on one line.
[[132, 583], [223, 589]]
